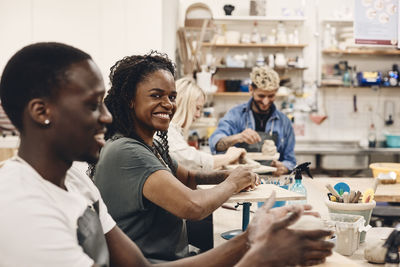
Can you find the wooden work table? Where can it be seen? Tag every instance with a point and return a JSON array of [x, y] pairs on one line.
[[225, 219], [384, 192]]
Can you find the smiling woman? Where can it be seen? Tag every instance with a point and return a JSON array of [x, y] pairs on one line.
[[147, 192]]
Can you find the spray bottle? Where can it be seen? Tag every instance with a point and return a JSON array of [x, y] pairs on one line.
[[298, 187]]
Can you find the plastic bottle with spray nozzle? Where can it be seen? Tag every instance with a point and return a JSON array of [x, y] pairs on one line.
[[298, 187]]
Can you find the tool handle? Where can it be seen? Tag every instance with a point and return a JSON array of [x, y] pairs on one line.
[[357, 197], [346, 197], [352, 195], [332, 190]]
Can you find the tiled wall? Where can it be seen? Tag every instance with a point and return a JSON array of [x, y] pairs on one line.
[[345, 124], [342, 124]]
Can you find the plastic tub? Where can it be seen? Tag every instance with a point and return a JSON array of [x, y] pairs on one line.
[[362, 209], [347, 230], [392, 140], [385, 167], [277, 203]]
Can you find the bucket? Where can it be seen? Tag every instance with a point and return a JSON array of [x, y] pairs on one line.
[[385, 168], [392, 140], [347, 229], [363, 209]]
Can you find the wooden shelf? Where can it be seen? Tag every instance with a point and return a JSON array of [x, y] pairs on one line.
[[258, 18], [256, 45], [381, 52], [335, 20], [240, 94], [231, 94], [249, 68], [357, 87]]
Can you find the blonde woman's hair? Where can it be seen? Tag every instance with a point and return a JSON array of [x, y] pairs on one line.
[[188, 93], [264, 78]]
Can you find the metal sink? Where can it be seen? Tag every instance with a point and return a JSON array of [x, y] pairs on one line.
[[340, 155], [344, 162]]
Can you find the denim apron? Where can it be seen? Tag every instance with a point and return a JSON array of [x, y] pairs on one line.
[[257, 147]]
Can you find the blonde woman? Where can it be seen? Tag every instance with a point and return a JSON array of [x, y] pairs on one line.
[[190, 101]]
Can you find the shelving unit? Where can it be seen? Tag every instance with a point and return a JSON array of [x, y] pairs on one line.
[[240, 94], [354, 55], [359, 87], [258, 45], [377, 52], [249, 68], [244, 24], [258, 19], [338, 20]]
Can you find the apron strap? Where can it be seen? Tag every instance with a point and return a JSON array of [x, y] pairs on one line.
[[272, 127]]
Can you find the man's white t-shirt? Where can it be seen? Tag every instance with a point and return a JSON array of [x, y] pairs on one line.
[[38, 222]]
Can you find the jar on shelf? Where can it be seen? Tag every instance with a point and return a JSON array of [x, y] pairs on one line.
[[281, 37]]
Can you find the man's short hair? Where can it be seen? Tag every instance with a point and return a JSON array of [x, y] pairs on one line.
[[37, 70], [264, 78]]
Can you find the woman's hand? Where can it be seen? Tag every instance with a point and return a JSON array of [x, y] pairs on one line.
[[234, 154], [243, 178]]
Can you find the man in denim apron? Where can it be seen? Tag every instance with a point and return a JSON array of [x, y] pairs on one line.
[[249, 124]]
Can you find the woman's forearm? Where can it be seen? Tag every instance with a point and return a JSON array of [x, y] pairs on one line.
[[204, 201], [215, 177], [220, 160]]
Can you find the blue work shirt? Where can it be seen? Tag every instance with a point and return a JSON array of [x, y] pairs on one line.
[[240, 117]]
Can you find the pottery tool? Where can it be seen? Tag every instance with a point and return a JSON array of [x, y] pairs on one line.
[[368, 195], [352, 195], [341, 188], [356, 197], [346, 197], [228, 207], [332, 191], [333, 198]]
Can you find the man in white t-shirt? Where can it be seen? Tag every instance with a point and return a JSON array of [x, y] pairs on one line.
[[53, 215]]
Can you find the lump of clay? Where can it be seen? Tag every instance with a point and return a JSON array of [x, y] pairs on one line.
[[308, 222], [268, 148], [375, 252]]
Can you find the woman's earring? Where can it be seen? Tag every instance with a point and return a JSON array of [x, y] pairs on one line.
[[47, 121]]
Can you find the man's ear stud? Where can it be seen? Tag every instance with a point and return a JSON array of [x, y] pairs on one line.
[[47, 122]]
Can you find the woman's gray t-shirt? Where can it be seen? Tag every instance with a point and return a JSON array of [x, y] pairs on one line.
[[123, 167]]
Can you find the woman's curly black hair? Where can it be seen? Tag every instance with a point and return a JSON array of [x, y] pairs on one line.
[[125, 76]]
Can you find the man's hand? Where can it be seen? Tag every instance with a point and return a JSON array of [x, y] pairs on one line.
[[272, 244], [249, 136], [280, 168]]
